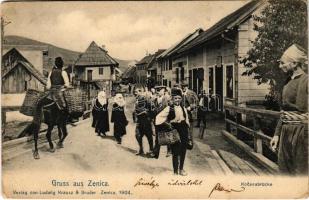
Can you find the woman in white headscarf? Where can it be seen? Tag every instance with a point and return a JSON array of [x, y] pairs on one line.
[[118, 117], [100, 114], [292, 128]]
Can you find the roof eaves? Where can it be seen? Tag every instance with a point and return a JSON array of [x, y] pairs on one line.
[[35, 72], [30, 68], [224, 24], [245, 15], [173, 47], [188, 40]]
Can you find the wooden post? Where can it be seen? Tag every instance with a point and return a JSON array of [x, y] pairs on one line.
[[258, 143], [238, 121], [227, 125], [3, 117]]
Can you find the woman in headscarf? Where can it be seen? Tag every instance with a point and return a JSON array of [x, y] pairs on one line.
[[291, 130], [177, 115], [100, 114], [118, 117]]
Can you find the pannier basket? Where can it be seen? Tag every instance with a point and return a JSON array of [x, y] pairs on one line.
[[30, 102], [75, 99]]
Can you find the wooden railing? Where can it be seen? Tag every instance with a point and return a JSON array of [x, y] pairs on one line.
[[250, 122], [6, 109]]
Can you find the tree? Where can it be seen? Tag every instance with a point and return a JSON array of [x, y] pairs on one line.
[[280, 24]]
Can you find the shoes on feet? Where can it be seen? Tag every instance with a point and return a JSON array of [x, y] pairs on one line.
[[140, 153], [168, 154], [183, 173], [153, 155]]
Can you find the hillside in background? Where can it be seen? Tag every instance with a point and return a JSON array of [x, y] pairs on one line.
[[54, 51]]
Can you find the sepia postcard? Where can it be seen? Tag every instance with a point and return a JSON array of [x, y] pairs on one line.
[[154, 99]]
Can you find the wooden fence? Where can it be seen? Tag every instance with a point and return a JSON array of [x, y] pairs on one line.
[[6, 109], [249, 123]]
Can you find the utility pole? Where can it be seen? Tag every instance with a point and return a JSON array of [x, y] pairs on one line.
[[3, 24]]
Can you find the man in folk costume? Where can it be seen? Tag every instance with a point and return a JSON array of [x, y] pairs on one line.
[[161, 102], [100, 114], [190, 101], [202, 108], [177, 116], [57, 81], [118, 117], [292, 128], [143, 120]]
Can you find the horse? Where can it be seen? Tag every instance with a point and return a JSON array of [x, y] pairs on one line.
[[52, 115]]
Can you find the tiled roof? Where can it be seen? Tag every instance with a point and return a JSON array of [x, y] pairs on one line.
[[228, 22], [31, 69], [95, 56], [145, 60], [179, 44], [154, 57], [130, 72]]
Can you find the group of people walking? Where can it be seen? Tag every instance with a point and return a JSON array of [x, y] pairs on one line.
[[153, 108], [159, 107], [165, 107], [100, 115]]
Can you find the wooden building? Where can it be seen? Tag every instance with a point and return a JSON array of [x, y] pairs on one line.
[[95, 70], [152, 69], [41, 55], [33, 53], [171, 69], [213, 58], [18, 74], [129, 76], [141, 69]]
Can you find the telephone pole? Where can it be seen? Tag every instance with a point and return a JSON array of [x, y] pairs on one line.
[[3, 24]]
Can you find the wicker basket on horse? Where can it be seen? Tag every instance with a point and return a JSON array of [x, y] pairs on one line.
[[30, 102], [75, 99]]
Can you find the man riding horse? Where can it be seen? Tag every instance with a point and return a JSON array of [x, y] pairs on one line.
[[54, 102]]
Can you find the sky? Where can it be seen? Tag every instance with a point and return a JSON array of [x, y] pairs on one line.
[[128, 29]]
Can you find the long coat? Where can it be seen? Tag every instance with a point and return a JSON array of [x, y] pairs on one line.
[[100, 117], [119, 119]]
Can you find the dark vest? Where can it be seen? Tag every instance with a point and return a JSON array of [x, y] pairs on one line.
[[171, 115], [56, 77]]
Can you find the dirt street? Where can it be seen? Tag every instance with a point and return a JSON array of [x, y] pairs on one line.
[[84, 150]]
